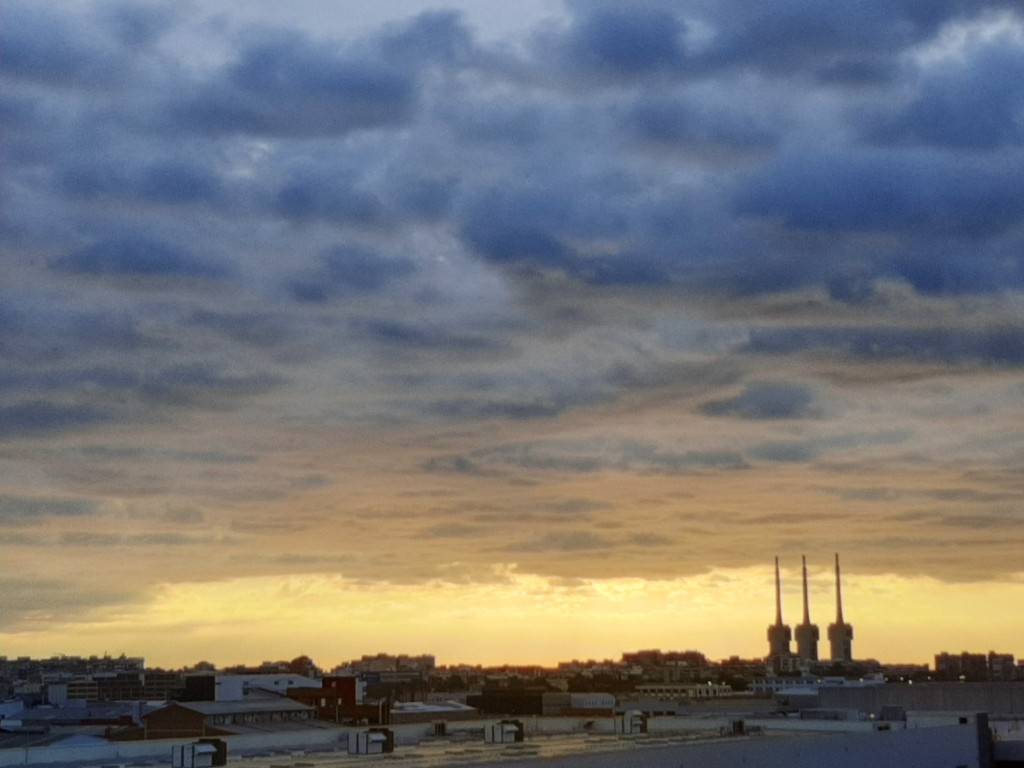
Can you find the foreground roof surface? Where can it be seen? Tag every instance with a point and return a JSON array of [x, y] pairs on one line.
[[462, 753]]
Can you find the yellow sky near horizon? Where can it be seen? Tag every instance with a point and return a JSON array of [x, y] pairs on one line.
[[521, 618]]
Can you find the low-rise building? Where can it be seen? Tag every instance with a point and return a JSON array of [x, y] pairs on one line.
[[198, 719], [681, 691]]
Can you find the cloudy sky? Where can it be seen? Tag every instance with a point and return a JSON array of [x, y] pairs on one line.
[[509, 332]]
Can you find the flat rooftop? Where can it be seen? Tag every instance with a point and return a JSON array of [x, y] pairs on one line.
[[443, 753]]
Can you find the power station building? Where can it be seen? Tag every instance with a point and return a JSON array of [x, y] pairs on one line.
[[840, 633], [779, 634], [807, 633]]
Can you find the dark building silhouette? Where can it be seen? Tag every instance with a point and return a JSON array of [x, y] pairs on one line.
[[975, 667], [840, 634], [779, 634], [807, 634]]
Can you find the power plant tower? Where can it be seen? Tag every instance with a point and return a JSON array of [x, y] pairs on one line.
[[779, 634], [806, 633], [840, 634]]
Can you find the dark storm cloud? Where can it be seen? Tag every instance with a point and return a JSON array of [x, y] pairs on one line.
[[533, 229], [170, 183], [997, 346], [135, 24], [767, 400], [429, 199], [859, 40], [284, 84], [350, 269], [136, 256], [433, 38], [202, 385], [37, 418], [47, 47], [970, 101], [38, 333], [309, 196], [887, 191], [537, 408], [841, 44], [412, 338], [626, 43], [670, 121], [253, 328]]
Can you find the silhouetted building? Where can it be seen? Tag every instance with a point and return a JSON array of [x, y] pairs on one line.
[[1001, 666], [505, 701], [806, 633], [840, 634], [779, 634], [975, 667], [195, 719]]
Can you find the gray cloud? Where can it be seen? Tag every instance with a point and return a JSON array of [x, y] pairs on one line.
[[562, 541], [968, 101], [591, 457], [136, 257], [283, 84], [346, 270], [40, 417], [454, 464], [626, 44], [30, 509], [766, 400], [26, 601], [1000, 345], [809, 449]]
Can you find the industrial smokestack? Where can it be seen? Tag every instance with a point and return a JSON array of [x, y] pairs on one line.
[[779, 635], [807, 608], [839, 595], [840, 634], [806, 633], [778, 595]]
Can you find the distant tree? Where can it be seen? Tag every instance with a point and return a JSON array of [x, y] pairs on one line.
[[303, 665]]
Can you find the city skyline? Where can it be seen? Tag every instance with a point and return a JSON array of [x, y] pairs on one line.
[[299, 645], [512, 335]]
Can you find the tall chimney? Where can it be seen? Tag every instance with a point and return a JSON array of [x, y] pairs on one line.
[[779, 634], [839, 595], [840, 634], [807, 609], [778, 594], [806, 634]]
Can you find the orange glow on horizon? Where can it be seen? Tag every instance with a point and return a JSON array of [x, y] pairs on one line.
[[527, 619]]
